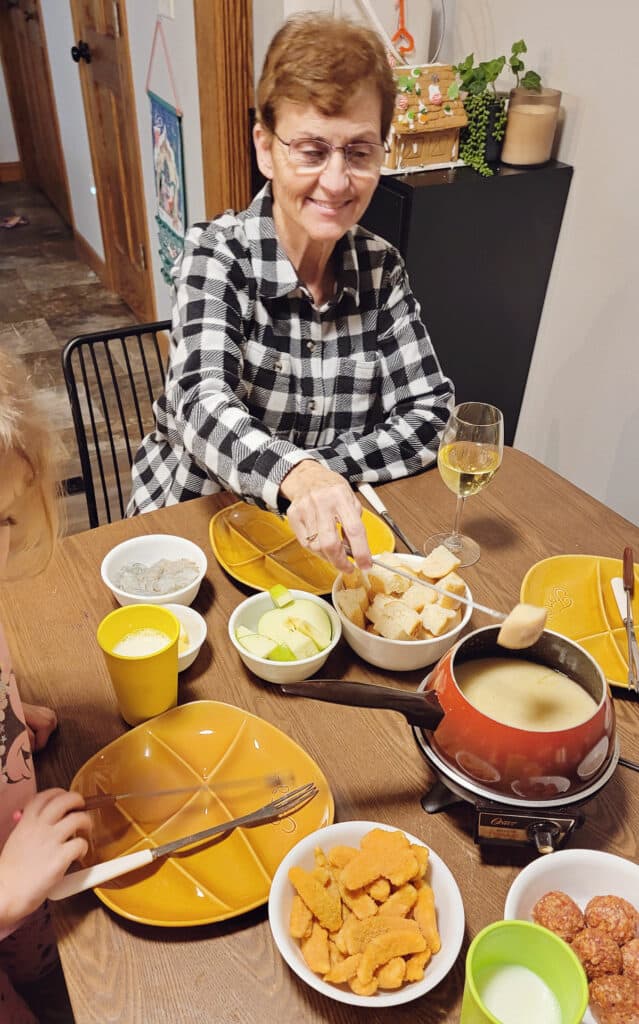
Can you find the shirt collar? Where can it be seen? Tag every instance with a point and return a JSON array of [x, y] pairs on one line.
[[275, 275]]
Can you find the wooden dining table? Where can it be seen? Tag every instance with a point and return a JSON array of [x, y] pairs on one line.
[[119, 970]]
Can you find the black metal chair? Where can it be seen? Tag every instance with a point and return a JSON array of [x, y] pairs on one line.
[[112, 379]]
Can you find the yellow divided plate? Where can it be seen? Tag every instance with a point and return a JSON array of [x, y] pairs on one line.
[[576, 591], [260, 549], [209, 743]]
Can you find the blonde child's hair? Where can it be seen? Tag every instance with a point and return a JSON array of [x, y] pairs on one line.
[[28, 489]]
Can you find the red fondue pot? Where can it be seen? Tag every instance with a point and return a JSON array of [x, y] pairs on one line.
[[498, 761], [521, 763]]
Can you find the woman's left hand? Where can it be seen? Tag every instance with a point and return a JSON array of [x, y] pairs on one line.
[[319, 500], [41, 722]]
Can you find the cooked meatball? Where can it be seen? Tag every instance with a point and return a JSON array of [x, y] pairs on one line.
[[613, 915], [560, 914], [630, 956], [598, 952], [614, 999]]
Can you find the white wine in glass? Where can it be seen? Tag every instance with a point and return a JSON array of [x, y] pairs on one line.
[[470, 453]]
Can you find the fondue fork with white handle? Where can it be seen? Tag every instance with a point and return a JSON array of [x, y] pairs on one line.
[[98, 874]]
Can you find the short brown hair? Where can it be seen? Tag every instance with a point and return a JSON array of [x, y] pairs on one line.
[[28, 489], [321, 60]]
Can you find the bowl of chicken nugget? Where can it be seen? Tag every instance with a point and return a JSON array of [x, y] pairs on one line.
[[366, 914], [400, 624], [591, 900]]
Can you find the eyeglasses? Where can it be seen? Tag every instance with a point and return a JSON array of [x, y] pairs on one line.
[[312, 155]]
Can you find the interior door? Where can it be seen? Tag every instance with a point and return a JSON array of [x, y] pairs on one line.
[[30, 92], [102, 52]]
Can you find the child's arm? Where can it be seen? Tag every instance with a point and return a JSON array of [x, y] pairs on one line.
[[40, 722], [39, 850]]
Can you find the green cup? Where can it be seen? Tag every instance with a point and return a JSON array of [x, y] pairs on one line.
[[523, 944]]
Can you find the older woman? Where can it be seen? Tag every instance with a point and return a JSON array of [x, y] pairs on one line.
[[299, 362]]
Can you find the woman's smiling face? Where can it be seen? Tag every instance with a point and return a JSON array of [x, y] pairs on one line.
[[319, 206]]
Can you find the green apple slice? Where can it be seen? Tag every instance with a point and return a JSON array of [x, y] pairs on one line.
[[311, 619], [243, 631], [282, 653], [276, 625], [280, 595], [258, 644]]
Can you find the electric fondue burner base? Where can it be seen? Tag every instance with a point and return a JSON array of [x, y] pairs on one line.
[[544, 825], [499, 825]]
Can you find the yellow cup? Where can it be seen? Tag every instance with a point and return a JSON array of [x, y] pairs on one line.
[[145, 685]]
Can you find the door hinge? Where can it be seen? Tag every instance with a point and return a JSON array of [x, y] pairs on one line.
[[142, 256], [116, 18]]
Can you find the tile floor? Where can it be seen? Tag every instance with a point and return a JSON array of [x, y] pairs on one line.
[[47, 297]]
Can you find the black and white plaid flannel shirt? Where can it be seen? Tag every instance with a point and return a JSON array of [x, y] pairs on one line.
[[261, 379]]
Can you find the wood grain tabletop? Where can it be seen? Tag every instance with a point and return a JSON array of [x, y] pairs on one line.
[[120, 971]]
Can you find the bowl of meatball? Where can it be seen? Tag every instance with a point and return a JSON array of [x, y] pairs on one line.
[[591, 900]]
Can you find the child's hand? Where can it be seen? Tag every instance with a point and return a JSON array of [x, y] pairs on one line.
[[39, 850], [40, 724]]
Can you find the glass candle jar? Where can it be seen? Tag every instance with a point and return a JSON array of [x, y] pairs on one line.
[[531, 126]]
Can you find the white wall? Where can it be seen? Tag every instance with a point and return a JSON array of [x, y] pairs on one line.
[[67, 91], [580, 414], [8, 145]]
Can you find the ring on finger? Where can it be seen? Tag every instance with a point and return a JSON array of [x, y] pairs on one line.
[[311, 537]]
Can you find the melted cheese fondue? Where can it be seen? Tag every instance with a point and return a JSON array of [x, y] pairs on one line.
[[523, 694]]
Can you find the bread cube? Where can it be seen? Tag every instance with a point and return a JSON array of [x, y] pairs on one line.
[[355, 580], [439, 563], [396, 621], [454, 585], [353, 603], [417, 597], [385, 581], [377, 604], [438, 620]]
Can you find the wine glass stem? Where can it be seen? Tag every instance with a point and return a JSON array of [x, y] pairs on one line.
[[459, 508]]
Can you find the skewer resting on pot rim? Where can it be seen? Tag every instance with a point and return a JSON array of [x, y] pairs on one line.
[[521, 627]]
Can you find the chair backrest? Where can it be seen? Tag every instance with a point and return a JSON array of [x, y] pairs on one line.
[[112, 379]]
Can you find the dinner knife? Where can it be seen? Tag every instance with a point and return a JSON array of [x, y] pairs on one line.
[[623, 597], [376, 502]]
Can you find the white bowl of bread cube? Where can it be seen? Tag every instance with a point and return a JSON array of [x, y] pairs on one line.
[[397, 624]]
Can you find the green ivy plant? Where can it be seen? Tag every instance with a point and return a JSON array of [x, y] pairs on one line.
[[484, 106]]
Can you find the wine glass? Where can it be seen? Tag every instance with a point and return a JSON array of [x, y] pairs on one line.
[[470, 453]]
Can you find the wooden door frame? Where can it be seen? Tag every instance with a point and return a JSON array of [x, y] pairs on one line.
[[22, 125], [106, 271], [224, 50]]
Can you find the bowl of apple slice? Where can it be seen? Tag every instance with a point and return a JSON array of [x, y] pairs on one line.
[[284, 636]]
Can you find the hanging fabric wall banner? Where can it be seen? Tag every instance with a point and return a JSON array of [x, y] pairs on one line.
[[170, 215], [168, 166]]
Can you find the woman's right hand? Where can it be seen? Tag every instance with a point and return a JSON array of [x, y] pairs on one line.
[[320, 499], [39, 851]]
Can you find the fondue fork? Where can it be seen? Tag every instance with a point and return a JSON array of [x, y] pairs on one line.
[[94, 800], [633, 649], [90, 878], [500, 616]]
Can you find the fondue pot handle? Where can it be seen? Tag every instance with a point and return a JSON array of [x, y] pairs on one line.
[[421, 708]]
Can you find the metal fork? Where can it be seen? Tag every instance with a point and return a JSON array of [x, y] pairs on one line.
[[96, 875]]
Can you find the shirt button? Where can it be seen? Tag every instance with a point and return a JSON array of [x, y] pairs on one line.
[[311, 406], [310, 346], [278, 367]]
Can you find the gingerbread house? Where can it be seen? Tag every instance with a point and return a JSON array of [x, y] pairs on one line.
[[427, 121]]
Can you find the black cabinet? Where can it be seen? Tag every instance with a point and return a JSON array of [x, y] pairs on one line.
[[479, 253]]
